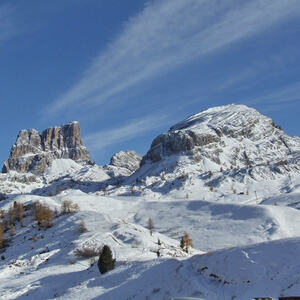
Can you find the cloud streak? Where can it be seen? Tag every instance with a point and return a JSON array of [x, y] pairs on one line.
[[166, 35], [136, 127]]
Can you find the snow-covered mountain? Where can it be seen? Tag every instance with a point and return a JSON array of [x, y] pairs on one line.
[[228, 176], [221, 149], [233, 136], [56, 159]]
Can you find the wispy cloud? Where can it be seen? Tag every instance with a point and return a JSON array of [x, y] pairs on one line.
[[165, 35], [136, 127]]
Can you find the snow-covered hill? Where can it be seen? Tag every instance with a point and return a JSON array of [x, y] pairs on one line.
[[229, 177], [42, 263]]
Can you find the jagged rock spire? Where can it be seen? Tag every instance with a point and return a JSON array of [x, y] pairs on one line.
[[34, 152]]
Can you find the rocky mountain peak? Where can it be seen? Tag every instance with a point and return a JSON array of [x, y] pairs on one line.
[[231, 136], [34, 152]]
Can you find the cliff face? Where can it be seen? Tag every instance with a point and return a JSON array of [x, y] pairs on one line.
[[34, 152]]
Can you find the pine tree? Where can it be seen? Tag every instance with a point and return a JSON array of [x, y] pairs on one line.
[[106, 262], [82, 228]]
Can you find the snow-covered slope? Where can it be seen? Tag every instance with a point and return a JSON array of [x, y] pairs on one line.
[[269, 269], [41, 264], [34, 258]]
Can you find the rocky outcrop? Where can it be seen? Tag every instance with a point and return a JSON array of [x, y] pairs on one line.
[[126, 159], [123, 163], [177, 142], [34, 152]]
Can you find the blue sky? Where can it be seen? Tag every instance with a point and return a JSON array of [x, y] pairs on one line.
[[128, 70]]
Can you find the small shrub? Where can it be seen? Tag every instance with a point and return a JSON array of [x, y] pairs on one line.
[[106, 262], [43, 215], [16, 213], [82, 228], [68, 207], [186, 242], [88, 251], [20, 211]]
